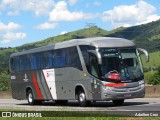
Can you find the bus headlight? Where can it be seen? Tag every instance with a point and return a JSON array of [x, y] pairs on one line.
[[141, 83], [142, 86]]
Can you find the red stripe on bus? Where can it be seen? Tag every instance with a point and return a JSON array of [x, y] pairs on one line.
[[36, 86], [115, 84]]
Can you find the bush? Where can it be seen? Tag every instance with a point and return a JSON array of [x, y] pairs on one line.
[[4, 81], [155, 78]]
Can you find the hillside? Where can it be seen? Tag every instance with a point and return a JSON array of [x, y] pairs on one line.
[[153, 62], [82, 33], [146, 36]]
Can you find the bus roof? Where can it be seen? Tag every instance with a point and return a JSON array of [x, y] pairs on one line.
[[108, 42]]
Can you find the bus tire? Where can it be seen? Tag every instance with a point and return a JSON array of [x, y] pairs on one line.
[[118, 102], [31, 100], [82, 99]]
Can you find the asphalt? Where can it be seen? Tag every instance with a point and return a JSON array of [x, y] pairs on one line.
[[131, 106]]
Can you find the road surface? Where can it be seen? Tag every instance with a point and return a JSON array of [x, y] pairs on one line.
[[140, 105]]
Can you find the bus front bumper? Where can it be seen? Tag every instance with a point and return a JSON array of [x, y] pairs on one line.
[[122, 93]]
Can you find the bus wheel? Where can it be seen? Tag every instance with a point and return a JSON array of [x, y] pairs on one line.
[[31, 100], [30, 97], [82, 99], [118, 102]]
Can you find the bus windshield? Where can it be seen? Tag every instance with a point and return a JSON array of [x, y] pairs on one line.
[[125, 62]]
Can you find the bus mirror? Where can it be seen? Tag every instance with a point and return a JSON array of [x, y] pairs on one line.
[[145, 52], [97, 54]]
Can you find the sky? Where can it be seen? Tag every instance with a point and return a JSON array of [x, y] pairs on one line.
[[26, 21]]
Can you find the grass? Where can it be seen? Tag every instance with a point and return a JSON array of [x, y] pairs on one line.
[[151, 67], [155, 37], [147, 75], [154, 60]]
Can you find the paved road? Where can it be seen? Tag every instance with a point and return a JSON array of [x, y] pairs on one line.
[[137, 105]]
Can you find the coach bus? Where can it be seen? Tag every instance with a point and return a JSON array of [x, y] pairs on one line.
[[90, 69]]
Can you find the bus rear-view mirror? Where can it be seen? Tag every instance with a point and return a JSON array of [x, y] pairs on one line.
[[145, 53], [97, 54]]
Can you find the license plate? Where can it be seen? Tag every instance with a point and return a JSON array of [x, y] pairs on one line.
[[127, 95]]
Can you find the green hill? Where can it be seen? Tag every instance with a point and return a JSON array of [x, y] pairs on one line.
[[145, 36], [82, 33], [153, 62]]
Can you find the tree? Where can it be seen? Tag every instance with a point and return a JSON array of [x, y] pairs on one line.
[[4, 81], [155, 78]]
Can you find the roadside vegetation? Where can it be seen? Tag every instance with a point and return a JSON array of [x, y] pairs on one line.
[[155, 78], [4, 81]]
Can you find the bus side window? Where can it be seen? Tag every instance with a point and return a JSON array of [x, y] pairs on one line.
[[38, 60], [33, 62], [25, 63], [59, 58], [84, 50], [14, 64], [46, 60], [72, 58], [50, 58]]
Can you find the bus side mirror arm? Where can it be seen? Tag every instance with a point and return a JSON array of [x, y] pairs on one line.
[[98, 55], [145, 52]]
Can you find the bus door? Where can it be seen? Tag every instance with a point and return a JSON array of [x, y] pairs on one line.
[[94, 71]]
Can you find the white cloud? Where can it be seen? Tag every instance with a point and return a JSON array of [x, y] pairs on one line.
[[11, 36], [141, 12], [13, 13], [61, 13], [96, 3], [63, 32], [9, 27], [150, 18], [47, 25], [8, 32], [72, 2], [38, 7]]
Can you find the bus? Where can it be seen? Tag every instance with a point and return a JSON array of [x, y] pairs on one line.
[[87, 70]]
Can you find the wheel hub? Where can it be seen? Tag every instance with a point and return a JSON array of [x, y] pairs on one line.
[[30, 98], [82, 97]]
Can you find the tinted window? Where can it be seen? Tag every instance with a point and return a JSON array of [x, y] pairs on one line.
[[33, 62], [25, 63], [84, 50], [42, 60], [14, 64], [38, 60], [59, 58], [72, 58]]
